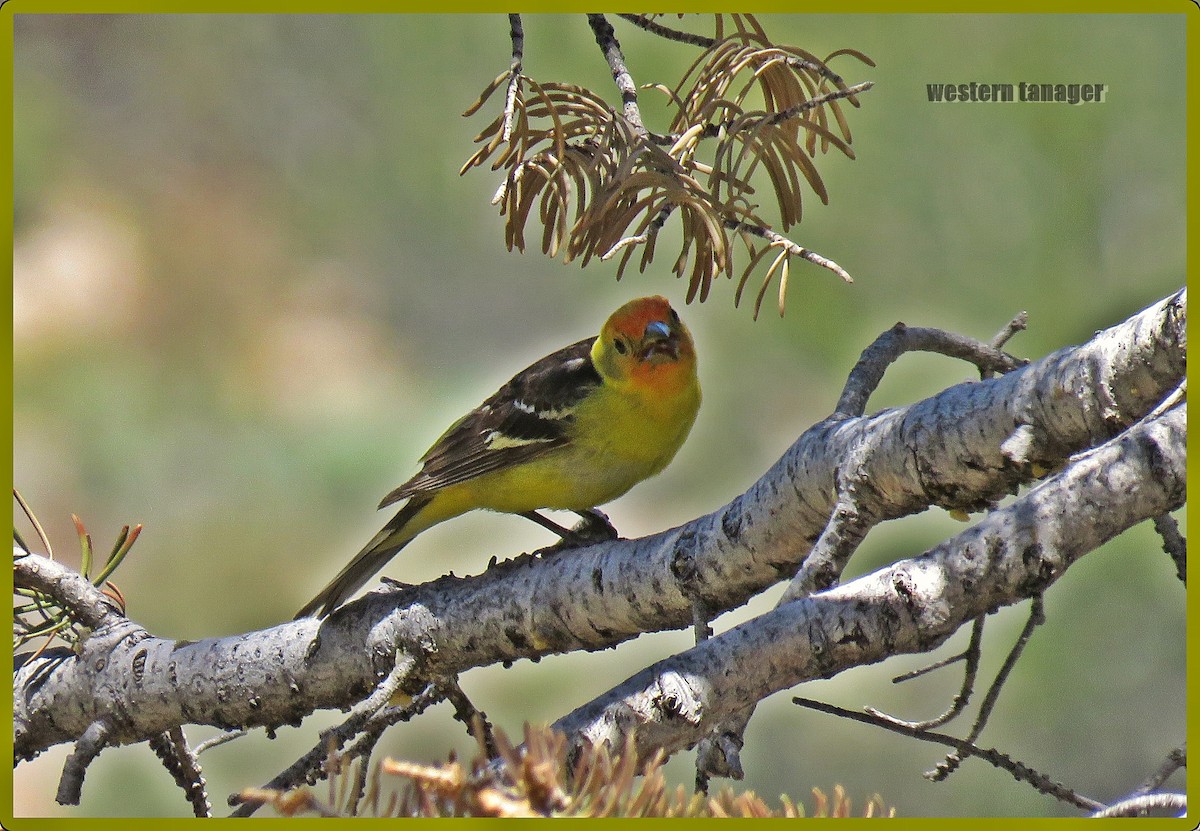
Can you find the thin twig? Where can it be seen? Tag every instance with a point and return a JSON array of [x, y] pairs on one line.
[[888, 347], [1173, 543], [717, 128], [656, 225], [1036, 618], [180, 760], [1019, 323], [1175, 760], [307, 766], [220, 739], [644, 22], [390, 715], [87, 748], [1019, 771], [470, 715], [606, 39], [820, 100], [704, 42], [792, 248], [819, 68], [928, 668], [517, 33], [372, 730], [972, 655]]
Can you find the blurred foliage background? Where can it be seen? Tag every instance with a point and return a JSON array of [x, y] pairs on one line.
[[250, 288]]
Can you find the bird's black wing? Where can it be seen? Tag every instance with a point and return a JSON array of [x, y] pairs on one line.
[[525, 418]]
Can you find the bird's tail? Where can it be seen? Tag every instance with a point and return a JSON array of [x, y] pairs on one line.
[[374, 556]]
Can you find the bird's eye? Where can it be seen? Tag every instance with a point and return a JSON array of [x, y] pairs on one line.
[[619, 345], [674, 316]]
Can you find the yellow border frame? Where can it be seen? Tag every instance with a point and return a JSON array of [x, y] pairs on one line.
[[1189, 9]]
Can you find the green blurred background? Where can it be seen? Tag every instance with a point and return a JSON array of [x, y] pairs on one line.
[[250, 288]]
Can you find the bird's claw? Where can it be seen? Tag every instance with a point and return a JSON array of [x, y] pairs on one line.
[[594, 526]]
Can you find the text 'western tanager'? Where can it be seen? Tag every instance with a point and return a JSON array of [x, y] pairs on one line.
[[572, 431]]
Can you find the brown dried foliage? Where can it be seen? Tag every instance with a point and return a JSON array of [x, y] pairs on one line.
[[745, 110], [536, 780]]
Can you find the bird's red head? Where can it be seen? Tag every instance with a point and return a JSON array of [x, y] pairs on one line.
[[644, 338]]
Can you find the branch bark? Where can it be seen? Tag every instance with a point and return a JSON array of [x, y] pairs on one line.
[[955, 450], [911, 606]]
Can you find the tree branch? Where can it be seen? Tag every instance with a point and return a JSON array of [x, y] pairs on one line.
[[367, 721], [517, 34], [948, 450], [606, 39], [94, 738], [1173, 544], [1141, 806], [911, 606], [1036, 618], [792, 248], [1175, 760], [853, 518], [888, 347], [180, 761], [653, 27], [962, 748], [971, 656], [82, 600]]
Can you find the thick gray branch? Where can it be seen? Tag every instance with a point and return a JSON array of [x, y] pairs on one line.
[[963, 448], [911, 606]]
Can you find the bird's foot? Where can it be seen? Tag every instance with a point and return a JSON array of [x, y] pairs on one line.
[[592, 528]]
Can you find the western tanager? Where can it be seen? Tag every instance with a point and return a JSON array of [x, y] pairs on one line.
[[572, 431]]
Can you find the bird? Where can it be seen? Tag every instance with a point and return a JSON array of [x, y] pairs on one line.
[[574, 430]]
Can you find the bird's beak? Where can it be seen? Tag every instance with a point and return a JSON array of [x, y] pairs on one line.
[[659, 340]]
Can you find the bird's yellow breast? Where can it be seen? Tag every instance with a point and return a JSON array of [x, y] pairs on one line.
[[618, 437]]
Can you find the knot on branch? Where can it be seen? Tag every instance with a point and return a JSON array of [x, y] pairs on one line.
[[678, 697]]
